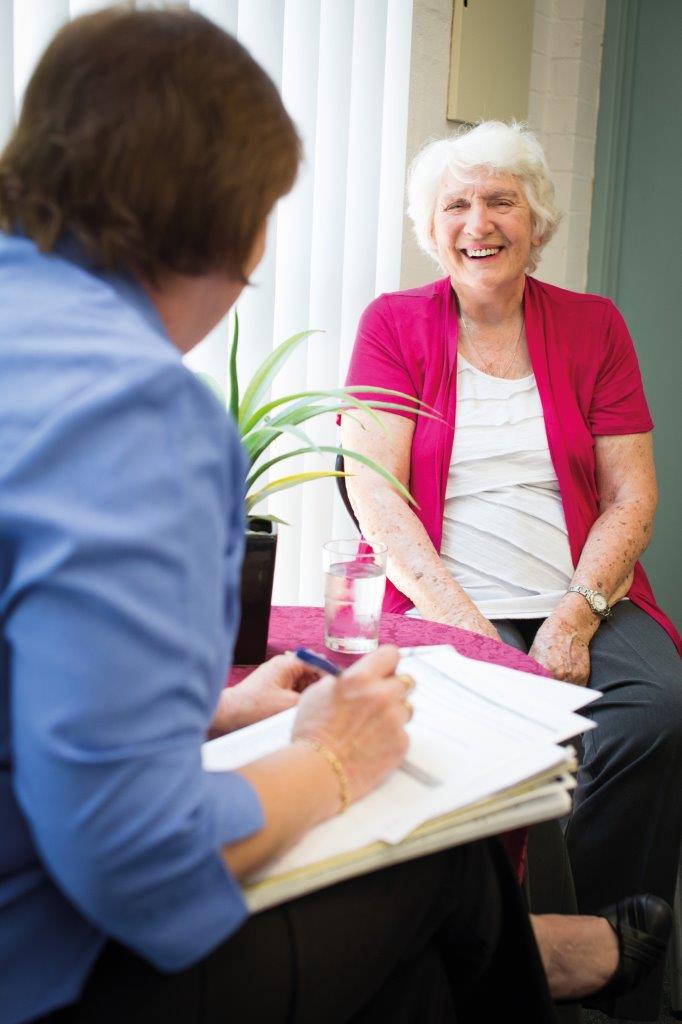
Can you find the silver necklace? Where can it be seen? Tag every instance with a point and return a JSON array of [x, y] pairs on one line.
[[487, 365]]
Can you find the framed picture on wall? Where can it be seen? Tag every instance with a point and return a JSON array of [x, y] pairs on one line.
[[490, 55]]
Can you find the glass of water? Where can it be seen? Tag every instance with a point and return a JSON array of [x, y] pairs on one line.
[[354, 584]]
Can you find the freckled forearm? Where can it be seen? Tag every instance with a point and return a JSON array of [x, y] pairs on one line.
[[626, 480], [614, 544], [414, 565]]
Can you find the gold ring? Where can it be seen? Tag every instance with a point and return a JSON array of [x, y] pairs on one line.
[[408, 682], [409, 708]]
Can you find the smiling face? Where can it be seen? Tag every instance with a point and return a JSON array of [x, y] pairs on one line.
[[483, 232]]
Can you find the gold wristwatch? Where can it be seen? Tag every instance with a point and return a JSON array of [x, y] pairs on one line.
[[597, 602]]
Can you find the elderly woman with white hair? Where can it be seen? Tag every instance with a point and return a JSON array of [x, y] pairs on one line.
[[533, 511]]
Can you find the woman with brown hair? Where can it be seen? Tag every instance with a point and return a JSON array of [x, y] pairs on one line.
[[121, 525]]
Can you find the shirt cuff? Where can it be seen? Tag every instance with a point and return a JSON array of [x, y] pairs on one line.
[[237, 808], [615, 426], [210, 907]]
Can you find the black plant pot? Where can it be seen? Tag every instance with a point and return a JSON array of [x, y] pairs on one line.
[[258, 571]]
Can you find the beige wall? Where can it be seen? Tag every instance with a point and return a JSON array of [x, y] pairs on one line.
[[431, 20], [562, 109]]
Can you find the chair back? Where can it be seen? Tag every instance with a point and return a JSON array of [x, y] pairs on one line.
[[341, 484]]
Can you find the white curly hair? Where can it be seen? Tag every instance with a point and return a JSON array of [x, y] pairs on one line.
[[497, 148]]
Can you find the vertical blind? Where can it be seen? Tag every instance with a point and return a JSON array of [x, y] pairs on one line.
[[343, 68]]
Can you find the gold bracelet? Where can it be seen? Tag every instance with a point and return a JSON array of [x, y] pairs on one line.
[[336, 766]]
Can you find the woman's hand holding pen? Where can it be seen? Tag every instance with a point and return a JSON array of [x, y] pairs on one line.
[[360, 716], [348, 735]]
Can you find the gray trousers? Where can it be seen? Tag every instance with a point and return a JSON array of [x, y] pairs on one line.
[[625, 830]]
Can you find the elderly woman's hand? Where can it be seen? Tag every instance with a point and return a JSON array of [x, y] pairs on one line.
[[562, 647], [472, 620], [361, 717]]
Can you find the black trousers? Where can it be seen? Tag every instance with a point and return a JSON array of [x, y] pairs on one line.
[[624, 833], [441, 939]]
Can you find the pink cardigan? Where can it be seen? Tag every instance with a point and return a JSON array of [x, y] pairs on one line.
[[587, 375]]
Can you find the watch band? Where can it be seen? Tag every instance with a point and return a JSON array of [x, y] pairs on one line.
[[597, 602]]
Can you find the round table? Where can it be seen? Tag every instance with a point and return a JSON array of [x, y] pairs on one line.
[[297, 626]]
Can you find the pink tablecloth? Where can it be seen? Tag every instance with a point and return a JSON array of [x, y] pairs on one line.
[[295, 626]]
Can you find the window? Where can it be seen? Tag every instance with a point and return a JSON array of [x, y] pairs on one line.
[[334, 243]]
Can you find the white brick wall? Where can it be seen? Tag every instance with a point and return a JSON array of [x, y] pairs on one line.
[[563, 104], [563, 101]]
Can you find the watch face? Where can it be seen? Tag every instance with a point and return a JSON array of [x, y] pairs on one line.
[[600, 603]]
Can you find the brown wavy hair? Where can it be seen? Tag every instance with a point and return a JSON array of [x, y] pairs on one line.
[[154, 138]]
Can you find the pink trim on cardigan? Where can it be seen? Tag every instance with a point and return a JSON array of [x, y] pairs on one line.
[[588, 379]]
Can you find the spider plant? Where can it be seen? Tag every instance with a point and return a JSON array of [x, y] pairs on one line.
[[261, 422]]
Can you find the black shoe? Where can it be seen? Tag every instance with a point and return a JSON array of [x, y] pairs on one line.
[[642, 925]]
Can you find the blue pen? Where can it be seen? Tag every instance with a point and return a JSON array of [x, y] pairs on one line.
[[323, 664], [317, 661]]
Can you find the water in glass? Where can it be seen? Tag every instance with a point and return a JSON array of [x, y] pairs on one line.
[[353, 595]]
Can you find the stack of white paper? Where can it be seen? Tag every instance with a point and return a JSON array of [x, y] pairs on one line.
[[482, 737]]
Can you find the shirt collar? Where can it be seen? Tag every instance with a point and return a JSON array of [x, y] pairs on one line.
[[123, 282]]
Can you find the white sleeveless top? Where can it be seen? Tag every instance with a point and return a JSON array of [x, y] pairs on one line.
[[504, 532]]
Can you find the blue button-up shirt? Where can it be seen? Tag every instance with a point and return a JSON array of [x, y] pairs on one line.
[[121, 535]]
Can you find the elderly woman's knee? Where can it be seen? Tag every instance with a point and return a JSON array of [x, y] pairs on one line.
[[671, 721], [642, 722], [656, 731]]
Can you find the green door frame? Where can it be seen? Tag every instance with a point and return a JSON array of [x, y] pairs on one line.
[[620, 178], [613, 134]]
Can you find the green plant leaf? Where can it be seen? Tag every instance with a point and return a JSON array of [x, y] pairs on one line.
[[350, 416], [301, 397], [335, 450], [284, 483], [303, 413], [365, 388], [265, 373], [259, 429], [371, 464], [265, 466], [287, 428], [268, 517], [292, 413], [234, 380], [258, 440], [345, 394], [388, 406]]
